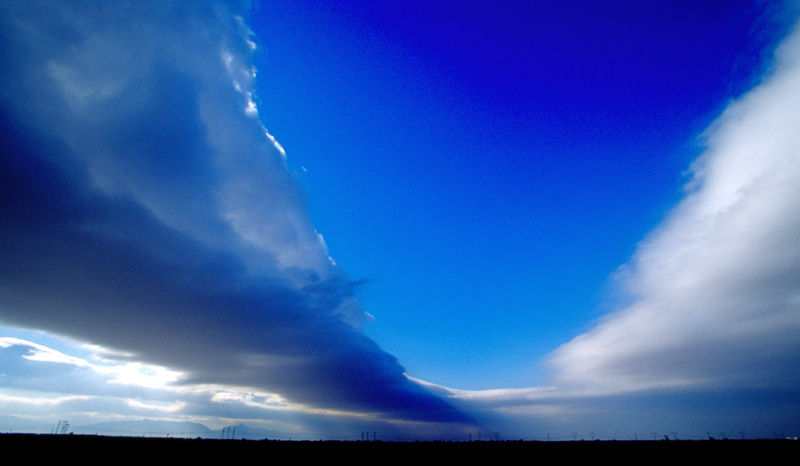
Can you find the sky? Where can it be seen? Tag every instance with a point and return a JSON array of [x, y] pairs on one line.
[[426, 219]]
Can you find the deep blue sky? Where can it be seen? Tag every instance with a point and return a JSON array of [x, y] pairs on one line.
[[487, 167], [432, 220]]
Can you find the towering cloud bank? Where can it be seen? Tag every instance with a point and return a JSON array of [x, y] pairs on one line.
[[146, 209], [715, 291]]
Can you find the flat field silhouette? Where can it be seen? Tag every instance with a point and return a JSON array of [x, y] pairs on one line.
[[141, 448]]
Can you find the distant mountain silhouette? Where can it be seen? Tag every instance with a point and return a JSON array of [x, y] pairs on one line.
[[141, 428], [148, 428], [21, 424]]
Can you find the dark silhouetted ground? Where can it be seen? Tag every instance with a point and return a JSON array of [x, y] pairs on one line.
[[138, 449]]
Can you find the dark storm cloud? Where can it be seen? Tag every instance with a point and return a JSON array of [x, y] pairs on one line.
[[146, 209]]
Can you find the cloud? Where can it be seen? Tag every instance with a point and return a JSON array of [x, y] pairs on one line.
[[714, 292], [147, 210], [30, 366], [707, 338], [41, 384]]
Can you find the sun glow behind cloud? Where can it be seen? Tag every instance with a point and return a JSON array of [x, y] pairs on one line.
[[39, 383]]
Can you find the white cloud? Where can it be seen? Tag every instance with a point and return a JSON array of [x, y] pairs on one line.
[[709, 335], [714, 290]]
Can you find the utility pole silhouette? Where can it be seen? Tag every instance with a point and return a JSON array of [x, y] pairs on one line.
[[61, 428]]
